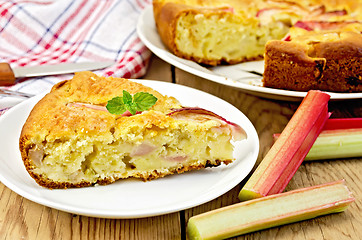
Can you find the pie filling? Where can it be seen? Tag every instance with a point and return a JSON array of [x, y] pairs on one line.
[[91, 159]]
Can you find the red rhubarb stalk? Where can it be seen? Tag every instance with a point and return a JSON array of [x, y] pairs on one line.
[[288, 152], [343, 123], [337, 124]]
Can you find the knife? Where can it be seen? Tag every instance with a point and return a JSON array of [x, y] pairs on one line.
[[9, 75]]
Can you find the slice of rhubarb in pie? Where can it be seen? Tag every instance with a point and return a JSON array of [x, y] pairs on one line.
[[71, 140]]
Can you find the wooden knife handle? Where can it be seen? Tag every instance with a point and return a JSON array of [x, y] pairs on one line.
[[7, 76]]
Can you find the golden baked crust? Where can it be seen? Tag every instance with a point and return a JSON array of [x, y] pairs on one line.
[[329, 61], [215, 32], [50, 117], [70, 140]]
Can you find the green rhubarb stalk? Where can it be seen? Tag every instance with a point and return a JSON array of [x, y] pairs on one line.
[[333, 144], [270, 211], [340, 138], [288, 152]]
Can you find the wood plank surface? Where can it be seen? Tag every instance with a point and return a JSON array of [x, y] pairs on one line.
[[271, 116], [23, 219]]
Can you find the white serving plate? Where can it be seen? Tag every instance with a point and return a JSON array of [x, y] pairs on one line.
[[132, 198]]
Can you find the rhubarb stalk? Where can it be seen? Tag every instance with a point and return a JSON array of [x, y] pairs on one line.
[[342, 123], [270, 211], [334, 144], [288, 152], [340, 138]]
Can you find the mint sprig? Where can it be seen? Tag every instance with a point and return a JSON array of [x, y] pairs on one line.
[[139, 102]]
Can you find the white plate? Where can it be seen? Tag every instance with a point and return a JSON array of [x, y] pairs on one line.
[[232, 75], [132, 198]]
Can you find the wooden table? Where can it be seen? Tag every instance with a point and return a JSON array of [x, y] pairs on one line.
[[23, 219]]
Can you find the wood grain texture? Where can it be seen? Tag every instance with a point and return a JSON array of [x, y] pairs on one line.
[[23, 219], [158, 70], [271, 116]]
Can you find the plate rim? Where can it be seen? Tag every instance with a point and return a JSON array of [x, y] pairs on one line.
[[116, 215], [145, 19]]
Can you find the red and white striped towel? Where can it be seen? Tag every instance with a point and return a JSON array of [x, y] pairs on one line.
[[36, 32]]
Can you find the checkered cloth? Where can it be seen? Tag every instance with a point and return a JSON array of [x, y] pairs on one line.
[[36, 32]]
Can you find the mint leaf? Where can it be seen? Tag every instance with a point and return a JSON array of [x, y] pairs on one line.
[[144, 101], [141, 101], [127, 97], [131, 108], [116, 105]]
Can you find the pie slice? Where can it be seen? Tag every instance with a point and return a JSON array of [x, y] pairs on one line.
[[71, 140]]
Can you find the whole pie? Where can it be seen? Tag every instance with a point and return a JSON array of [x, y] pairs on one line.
[[214, 32]]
